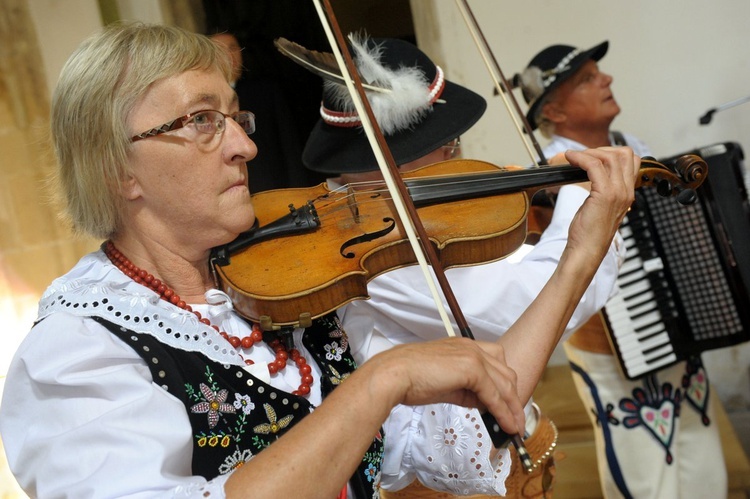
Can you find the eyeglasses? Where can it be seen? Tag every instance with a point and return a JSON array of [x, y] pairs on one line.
[[452, 148], [208, 121]]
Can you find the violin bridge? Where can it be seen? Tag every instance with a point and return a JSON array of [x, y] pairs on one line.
[[351, 200]]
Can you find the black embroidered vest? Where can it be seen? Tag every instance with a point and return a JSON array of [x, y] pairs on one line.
[[234, 415]]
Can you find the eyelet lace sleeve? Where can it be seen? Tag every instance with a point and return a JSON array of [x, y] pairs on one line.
[[446, 448]]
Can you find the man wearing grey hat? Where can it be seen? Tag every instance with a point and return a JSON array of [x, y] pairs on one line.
[[678, 452]]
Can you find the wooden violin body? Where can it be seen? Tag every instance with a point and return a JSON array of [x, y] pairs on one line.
[[474, 212], [360, 237]]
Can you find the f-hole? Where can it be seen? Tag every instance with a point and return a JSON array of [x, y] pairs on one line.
[[370, 236]]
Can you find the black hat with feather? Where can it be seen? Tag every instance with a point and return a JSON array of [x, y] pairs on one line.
[[548, 69], [417, 109]]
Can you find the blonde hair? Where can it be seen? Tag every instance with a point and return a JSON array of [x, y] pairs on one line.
[[97, 90]]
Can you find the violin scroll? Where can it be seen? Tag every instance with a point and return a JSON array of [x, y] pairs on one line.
[[692, 168], [679, 179]]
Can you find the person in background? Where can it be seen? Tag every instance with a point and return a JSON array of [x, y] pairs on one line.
[[231, 46], [678, 453], [423, 117], [277, 164]]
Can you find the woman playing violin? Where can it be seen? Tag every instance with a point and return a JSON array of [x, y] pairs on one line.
[[139, 379]]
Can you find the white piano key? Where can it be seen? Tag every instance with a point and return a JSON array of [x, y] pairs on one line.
[[631, 265], [634, 289], [653, 264], [633, 341], [621, 302], [652, 361], [631, 252], [659, 352], [636, 275], [635, 311], [637, 368], [631, 335], [626, 314], [630, 342], [655, 341], [641, 322], [639, 299]]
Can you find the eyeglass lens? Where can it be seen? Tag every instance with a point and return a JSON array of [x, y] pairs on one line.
[[211, 122]]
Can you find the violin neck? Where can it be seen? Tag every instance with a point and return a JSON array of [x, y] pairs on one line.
[[426, 191]]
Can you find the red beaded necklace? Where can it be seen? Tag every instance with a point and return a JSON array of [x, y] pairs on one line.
[[167, 294]]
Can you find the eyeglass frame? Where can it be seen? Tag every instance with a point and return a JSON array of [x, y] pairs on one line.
[[454, 146], [183, 121]]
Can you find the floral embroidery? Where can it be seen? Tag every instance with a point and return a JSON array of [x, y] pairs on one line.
[[214, 404], [142, 301], [338, 332], [213, 439], [243, 402], [656, 408], [454, 473], [371, 472], [333, 351], [236, 460], [376, 486], [273, 426], [451, 437], [337, 378], [696, 387], [182, 319]]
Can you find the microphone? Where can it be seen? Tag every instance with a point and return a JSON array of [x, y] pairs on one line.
[[706, 118]]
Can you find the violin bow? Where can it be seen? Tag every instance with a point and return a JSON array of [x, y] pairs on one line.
[[407, 212], [501, 84]]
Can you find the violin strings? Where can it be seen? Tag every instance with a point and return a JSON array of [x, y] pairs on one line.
[[359, 194]]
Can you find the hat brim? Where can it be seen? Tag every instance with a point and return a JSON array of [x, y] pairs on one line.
[[331, 149], [595, 53]]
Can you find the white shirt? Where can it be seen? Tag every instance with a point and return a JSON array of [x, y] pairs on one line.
[[560, 144], [492, 297]]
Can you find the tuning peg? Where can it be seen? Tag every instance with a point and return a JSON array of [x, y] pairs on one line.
[[686, 196], [664, 188]]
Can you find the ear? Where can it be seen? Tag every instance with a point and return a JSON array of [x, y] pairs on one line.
[[130, 188], [553, 112]]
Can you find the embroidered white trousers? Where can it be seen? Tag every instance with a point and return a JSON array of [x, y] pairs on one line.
[[656, 437]]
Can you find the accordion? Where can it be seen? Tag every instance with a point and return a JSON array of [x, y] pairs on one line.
[[684, 286]]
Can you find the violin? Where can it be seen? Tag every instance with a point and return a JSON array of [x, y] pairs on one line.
[[314, 249]]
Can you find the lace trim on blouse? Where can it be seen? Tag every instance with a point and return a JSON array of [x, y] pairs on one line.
[[107, 293]]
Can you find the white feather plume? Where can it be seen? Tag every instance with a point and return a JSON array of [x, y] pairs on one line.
[[403, 107], [532, 83]]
